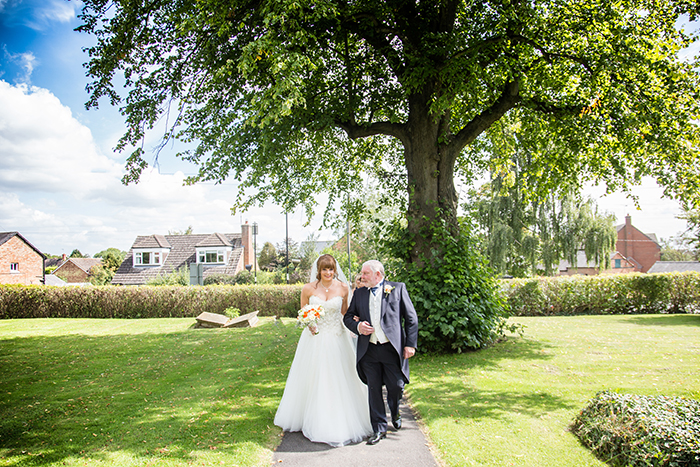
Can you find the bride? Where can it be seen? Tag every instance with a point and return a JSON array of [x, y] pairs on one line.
[[324, 398]]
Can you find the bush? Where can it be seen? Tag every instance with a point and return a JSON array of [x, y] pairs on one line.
[[178, 277], [20, 301], [630, 430], [220, 279], [456, 296], [604, 294]]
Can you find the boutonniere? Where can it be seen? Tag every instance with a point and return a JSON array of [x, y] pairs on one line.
[[388, 288]]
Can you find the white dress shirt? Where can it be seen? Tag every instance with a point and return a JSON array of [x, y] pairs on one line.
[[375, 313]]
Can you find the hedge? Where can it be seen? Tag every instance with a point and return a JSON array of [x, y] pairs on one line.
[[604, 294], [20, 301], [630, 430], [571, 295]]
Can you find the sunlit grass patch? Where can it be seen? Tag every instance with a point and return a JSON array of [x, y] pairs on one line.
[[140, 392], [513, 404]]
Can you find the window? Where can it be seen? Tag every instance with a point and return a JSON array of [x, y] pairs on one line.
[[144, 258], [618, 263], [14, 267], [211, 256]]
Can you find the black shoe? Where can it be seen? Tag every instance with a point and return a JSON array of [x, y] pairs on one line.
[[374, 439], [396, 421]]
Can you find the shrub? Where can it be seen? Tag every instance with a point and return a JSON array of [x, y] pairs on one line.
[[178, 277], [244, 277], [20, 301], [456, 296], [220, 279], [631, 430], [604, 294]]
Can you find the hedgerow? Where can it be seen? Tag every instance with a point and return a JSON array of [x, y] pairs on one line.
[[630, 430], [19, 301], [604, 294]]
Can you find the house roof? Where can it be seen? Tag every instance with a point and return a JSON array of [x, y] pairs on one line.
[[151, 241], [215, 239], [650, 236], [6, 236], [83, 263], [674, 266], [182, 252], [51, 279]]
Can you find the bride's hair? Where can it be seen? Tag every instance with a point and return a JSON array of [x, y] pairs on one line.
[[325, 262]]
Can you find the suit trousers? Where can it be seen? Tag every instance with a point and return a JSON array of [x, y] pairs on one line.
[[382, 367]]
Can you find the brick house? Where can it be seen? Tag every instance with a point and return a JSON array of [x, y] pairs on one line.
[[153, 255], [20, 261], [637, 247], [76, 270], [636, 252]]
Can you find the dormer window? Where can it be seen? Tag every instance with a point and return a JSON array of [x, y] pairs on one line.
[[211, 256], [149, 257]]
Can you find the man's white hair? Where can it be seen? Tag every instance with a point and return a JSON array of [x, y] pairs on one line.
[[375, 266]]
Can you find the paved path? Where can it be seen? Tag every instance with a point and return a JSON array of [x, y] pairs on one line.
[[406, 447]]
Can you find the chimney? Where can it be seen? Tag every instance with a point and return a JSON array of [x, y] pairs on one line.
[[247, 241], [628, 220], [63, 257]]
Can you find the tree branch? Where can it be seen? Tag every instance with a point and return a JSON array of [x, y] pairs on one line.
[[354, 130], [510, 97]]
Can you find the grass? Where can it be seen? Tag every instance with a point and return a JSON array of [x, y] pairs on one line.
[[139, 392], [156, 392], [512, 404]]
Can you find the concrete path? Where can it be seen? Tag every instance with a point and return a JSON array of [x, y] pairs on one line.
[[406, 447]]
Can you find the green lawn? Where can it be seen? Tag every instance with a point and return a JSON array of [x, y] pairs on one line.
[[140, 392], [157, 392], [512, 404]]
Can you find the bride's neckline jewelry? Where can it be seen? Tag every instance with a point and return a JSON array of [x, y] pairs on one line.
[[326, 287]]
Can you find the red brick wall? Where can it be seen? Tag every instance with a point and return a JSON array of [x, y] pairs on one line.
[[633, 244], [31, 265], [71, 273]]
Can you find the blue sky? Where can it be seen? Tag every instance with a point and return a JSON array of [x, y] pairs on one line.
[[60, 178]]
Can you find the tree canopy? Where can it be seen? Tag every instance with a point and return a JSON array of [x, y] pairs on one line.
[[294, 98]]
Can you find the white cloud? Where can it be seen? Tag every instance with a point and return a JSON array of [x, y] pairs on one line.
[[61, 192], [25, 61]]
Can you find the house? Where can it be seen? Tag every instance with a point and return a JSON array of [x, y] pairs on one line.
[[618, 265], [153, 255], [20, 261], [76, 270], [675, 266], [639, 248]]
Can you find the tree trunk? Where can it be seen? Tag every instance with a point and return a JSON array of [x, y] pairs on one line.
[[430, 166]]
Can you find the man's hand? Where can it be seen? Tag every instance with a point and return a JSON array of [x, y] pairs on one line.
[[365, 329], [408, 352]]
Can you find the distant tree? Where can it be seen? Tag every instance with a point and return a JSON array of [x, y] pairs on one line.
[[520, 236], [267, 259], [100, 275], [77, 254], [187, 231], [294, 252], [678, 249], [112, 258]]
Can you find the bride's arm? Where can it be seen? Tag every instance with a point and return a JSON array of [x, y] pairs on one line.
[[346, 293], [305, 294]]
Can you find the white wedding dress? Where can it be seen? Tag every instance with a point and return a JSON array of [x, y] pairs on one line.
[[324, 398]]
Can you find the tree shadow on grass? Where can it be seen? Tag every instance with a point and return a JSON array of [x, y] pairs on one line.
[[666, 320], [177, 398]]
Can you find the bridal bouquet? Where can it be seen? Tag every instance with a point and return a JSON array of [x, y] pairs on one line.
[[309, 316]]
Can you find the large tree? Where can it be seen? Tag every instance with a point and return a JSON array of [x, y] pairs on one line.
[[297, 97]]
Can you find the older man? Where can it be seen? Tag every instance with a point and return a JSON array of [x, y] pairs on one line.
[[387, 326]]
